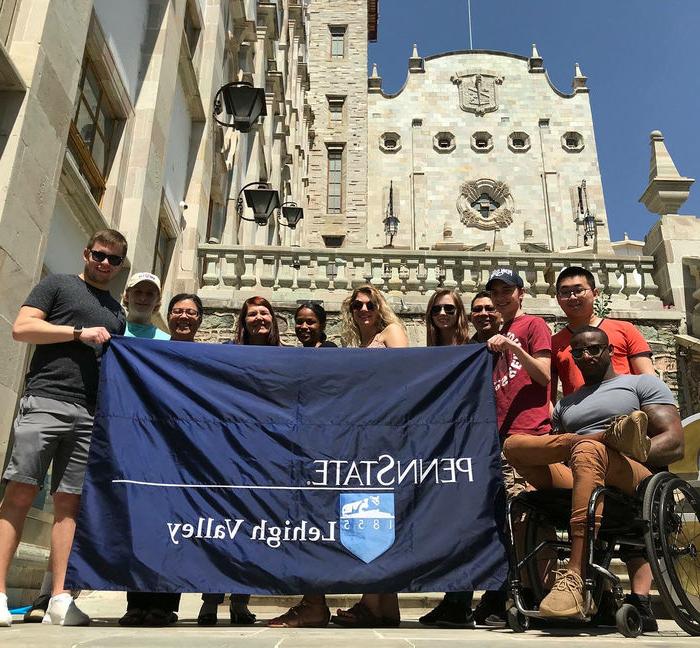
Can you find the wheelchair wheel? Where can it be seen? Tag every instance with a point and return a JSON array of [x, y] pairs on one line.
[[628, 621], [673, 547], [517, 621]]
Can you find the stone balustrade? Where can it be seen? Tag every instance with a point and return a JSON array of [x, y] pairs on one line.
[[231, 273]]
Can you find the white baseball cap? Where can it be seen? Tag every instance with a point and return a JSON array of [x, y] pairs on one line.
[[138, 277]]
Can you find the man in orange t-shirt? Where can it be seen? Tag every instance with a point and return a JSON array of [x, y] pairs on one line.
[[576, 293]]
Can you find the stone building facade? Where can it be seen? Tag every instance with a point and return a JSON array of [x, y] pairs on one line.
[[483, 153], [106, 120]]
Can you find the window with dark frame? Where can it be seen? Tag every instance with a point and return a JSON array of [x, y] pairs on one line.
[[337, 41], [335, 181], [91, 131], [161, 254], [336, 107]]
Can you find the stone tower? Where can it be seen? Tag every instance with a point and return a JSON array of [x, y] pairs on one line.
[[337, 210]]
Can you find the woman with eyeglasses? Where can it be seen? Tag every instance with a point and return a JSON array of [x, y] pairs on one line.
[[312, 611], [184, 317], [369, 322], [445, 319], [160, 608], [256, 325]]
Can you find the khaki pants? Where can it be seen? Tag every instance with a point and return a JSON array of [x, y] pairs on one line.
[[590, 464]]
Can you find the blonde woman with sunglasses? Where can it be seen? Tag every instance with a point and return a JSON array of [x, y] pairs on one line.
[[446, 321], [369, 322]]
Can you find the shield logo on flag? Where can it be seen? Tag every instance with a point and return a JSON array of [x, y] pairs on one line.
[[367, 524]]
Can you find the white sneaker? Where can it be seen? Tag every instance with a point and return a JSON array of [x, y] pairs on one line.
[[5, 616], [63, 611]]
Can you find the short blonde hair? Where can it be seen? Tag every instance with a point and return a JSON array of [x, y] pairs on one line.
[[350, 334]]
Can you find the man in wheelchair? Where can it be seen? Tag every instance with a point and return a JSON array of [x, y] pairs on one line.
[[616, 430]]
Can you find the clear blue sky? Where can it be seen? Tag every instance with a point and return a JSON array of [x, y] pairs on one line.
[[641, 57]]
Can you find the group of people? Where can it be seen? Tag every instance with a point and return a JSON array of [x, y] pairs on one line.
[[615, 423]]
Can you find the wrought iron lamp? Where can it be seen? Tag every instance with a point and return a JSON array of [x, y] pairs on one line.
[[292, 213], [263, 201], [242, 102], [587, 212]]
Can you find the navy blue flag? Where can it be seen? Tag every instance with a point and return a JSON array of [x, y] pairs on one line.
[[217, 468]]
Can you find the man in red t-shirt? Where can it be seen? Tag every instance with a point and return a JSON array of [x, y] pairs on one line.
[[576, 293], [521, 372]]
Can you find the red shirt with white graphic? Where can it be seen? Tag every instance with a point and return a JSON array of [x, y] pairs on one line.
[[522, 405]]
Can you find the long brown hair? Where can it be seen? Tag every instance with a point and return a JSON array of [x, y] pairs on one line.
[[351, 333], [242, 335], [462, 324]]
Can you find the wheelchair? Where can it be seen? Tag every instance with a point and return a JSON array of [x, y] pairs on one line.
[[661, 520]]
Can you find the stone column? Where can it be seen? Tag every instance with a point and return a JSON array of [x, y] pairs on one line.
[[47, 49], [144, 183]]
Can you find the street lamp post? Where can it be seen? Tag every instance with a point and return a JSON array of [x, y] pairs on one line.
[[587, 218], [391, 221], [242, 102]]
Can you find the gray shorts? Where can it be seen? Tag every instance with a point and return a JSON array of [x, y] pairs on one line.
[[47, 430]]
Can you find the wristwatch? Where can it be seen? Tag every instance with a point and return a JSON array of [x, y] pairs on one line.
[[77, 330]]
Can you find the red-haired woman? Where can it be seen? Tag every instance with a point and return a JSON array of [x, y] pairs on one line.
[[257, 325]]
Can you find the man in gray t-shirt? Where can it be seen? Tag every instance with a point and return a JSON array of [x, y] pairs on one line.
[[68, 318], [582, 456], [592, 407]]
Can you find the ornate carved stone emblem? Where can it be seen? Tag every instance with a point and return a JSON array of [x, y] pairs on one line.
[[477, 92], [485, 203]]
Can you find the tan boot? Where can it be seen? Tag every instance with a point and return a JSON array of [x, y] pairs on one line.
[[628, 435], [566, 597]]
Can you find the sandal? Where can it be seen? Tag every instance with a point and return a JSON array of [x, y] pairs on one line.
[[360, 616], [302, 615]]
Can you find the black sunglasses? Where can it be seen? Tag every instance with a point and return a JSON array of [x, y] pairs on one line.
[[486, 309], [113, 259], [593, 350], [449, 309], [357, 305]]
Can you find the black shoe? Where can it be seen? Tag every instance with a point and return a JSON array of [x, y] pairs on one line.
[[241, 616], [491, 610], [643, 605], [36, 613], [209, 619], [448, 614], [133, 618], [159, 618]]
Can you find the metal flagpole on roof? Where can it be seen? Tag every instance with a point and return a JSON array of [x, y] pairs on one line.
[[469, 12]]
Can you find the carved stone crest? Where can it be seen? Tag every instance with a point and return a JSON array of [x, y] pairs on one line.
[[486, 204], [477, 92]]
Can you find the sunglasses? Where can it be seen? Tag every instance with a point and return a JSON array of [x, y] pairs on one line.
[[450, 309], [483, 309], [113, 259], [593, 350], [357, 305], [576, 291]]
